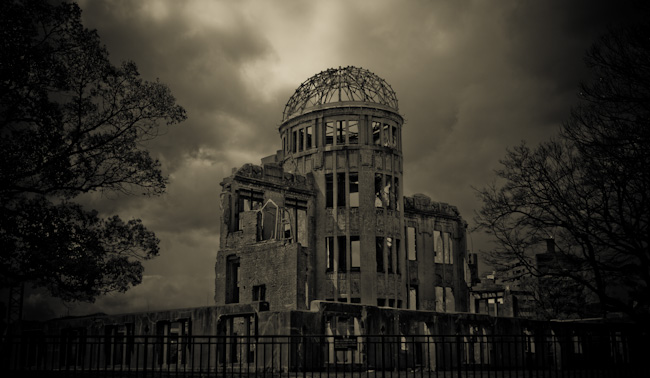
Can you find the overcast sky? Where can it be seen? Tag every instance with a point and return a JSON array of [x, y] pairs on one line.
[[471, 77]]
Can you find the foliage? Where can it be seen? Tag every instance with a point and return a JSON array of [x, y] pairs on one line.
[[588, 189], [72, 123]]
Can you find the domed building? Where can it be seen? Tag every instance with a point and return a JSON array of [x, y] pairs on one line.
[[325, 218]]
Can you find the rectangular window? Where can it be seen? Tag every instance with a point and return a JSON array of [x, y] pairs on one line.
[[379, 253], [329, 249], [396, 192], [376, 133], [294, 141], [448, 257], [355, 253], [340, 186], [394, 137], [391, 303], [354, 189], [329, 133], [284, 143], [353, 132], [437, 247], [389, 252], [340, 132], [413, 298], [259, 293], [397, 256], [247, 200], [411, 244], [388, 195], [298, 220], [301, 139], [379, 189], [232, 279], [386, 135], [309, 142], [381, 302], [329, 190], [343, 254]]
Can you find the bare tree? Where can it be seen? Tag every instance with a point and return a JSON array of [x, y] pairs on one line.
[[71, 123], [588, 189]]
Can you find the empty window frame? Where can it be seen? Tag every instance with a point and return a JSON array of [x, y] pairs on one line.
[[294, 141], [301, 140], [340, 189], [343, 254], [119, 344], [354, 189], [394, 141], [376, 133], [411, 244], [329, 251], [389, 252], [397, 256], [395, 193], [437, 247], [379, 254], [413, 298], [387, 193], [329, 190], [355, 254], [298, 220], [386, 135], [232, 279], [173, 346], [309, 137], [340, 132], [259, 293], [247, 200], [448, 257], [329, 133], [379, 189], [353, 132]]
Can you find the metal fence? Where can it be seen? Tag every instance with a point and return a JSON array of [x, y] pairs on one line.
[[591, 355]]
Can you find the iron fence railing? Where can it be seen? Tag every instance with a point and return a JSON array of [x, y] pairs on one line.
[[599, 355]]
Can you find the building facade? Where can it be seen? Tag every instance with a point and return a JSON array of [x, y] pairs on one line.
[[325, 218]]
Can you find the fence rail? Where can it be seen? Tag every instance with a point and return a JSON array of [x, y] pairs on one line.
[[600, 355]]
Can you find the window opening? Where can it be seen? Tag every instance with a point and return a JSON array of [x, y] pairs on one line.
[[259, 293], [379, 253], [448, 249], [340, 132], [294, 141], [413, 298], [355, 253], [329, 133], [376, 133], [386, 133], [437, 247], [340, 186], [411, 243], [298, 210], [354, 189], [309, 142], [247, 200], [343, 254], [267, 221], [394, 137], [329, 249], [389, 251], [378, 190], [232, 279], [329, 190], [301, 139], [381, 302], [395, 194], [353, 132], [387, 193], [397, 256]]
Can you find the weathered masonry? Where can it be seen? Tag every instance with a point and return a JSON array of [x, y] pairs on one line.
[[325, 218]]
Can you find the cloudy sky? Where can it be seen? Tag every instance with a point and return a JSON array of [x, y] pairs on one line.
[[472, 78]]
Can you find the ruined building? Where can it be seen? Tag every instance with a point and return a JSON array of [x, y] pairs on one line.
[[325, 218]]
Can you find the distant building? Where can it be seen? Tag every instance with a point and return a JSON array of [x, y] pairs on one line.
[[325, 218]]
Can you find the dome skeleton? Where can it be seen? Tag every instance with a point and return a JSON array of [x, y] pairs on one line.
[[349, 84]]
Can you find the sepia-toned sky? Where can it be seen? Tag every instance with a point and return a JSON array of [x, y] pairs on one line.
[[472, 78]]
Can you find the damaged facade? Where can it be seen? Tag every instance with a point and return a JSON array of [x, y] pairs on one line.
[[325, 218]]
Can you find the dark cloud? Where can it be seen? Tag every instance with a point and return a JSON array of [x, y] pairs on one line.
[[471, 77]]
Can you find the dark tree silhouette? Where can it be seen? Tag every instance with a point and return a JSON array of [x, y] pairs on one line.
[[588, 188], [72, 123]]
